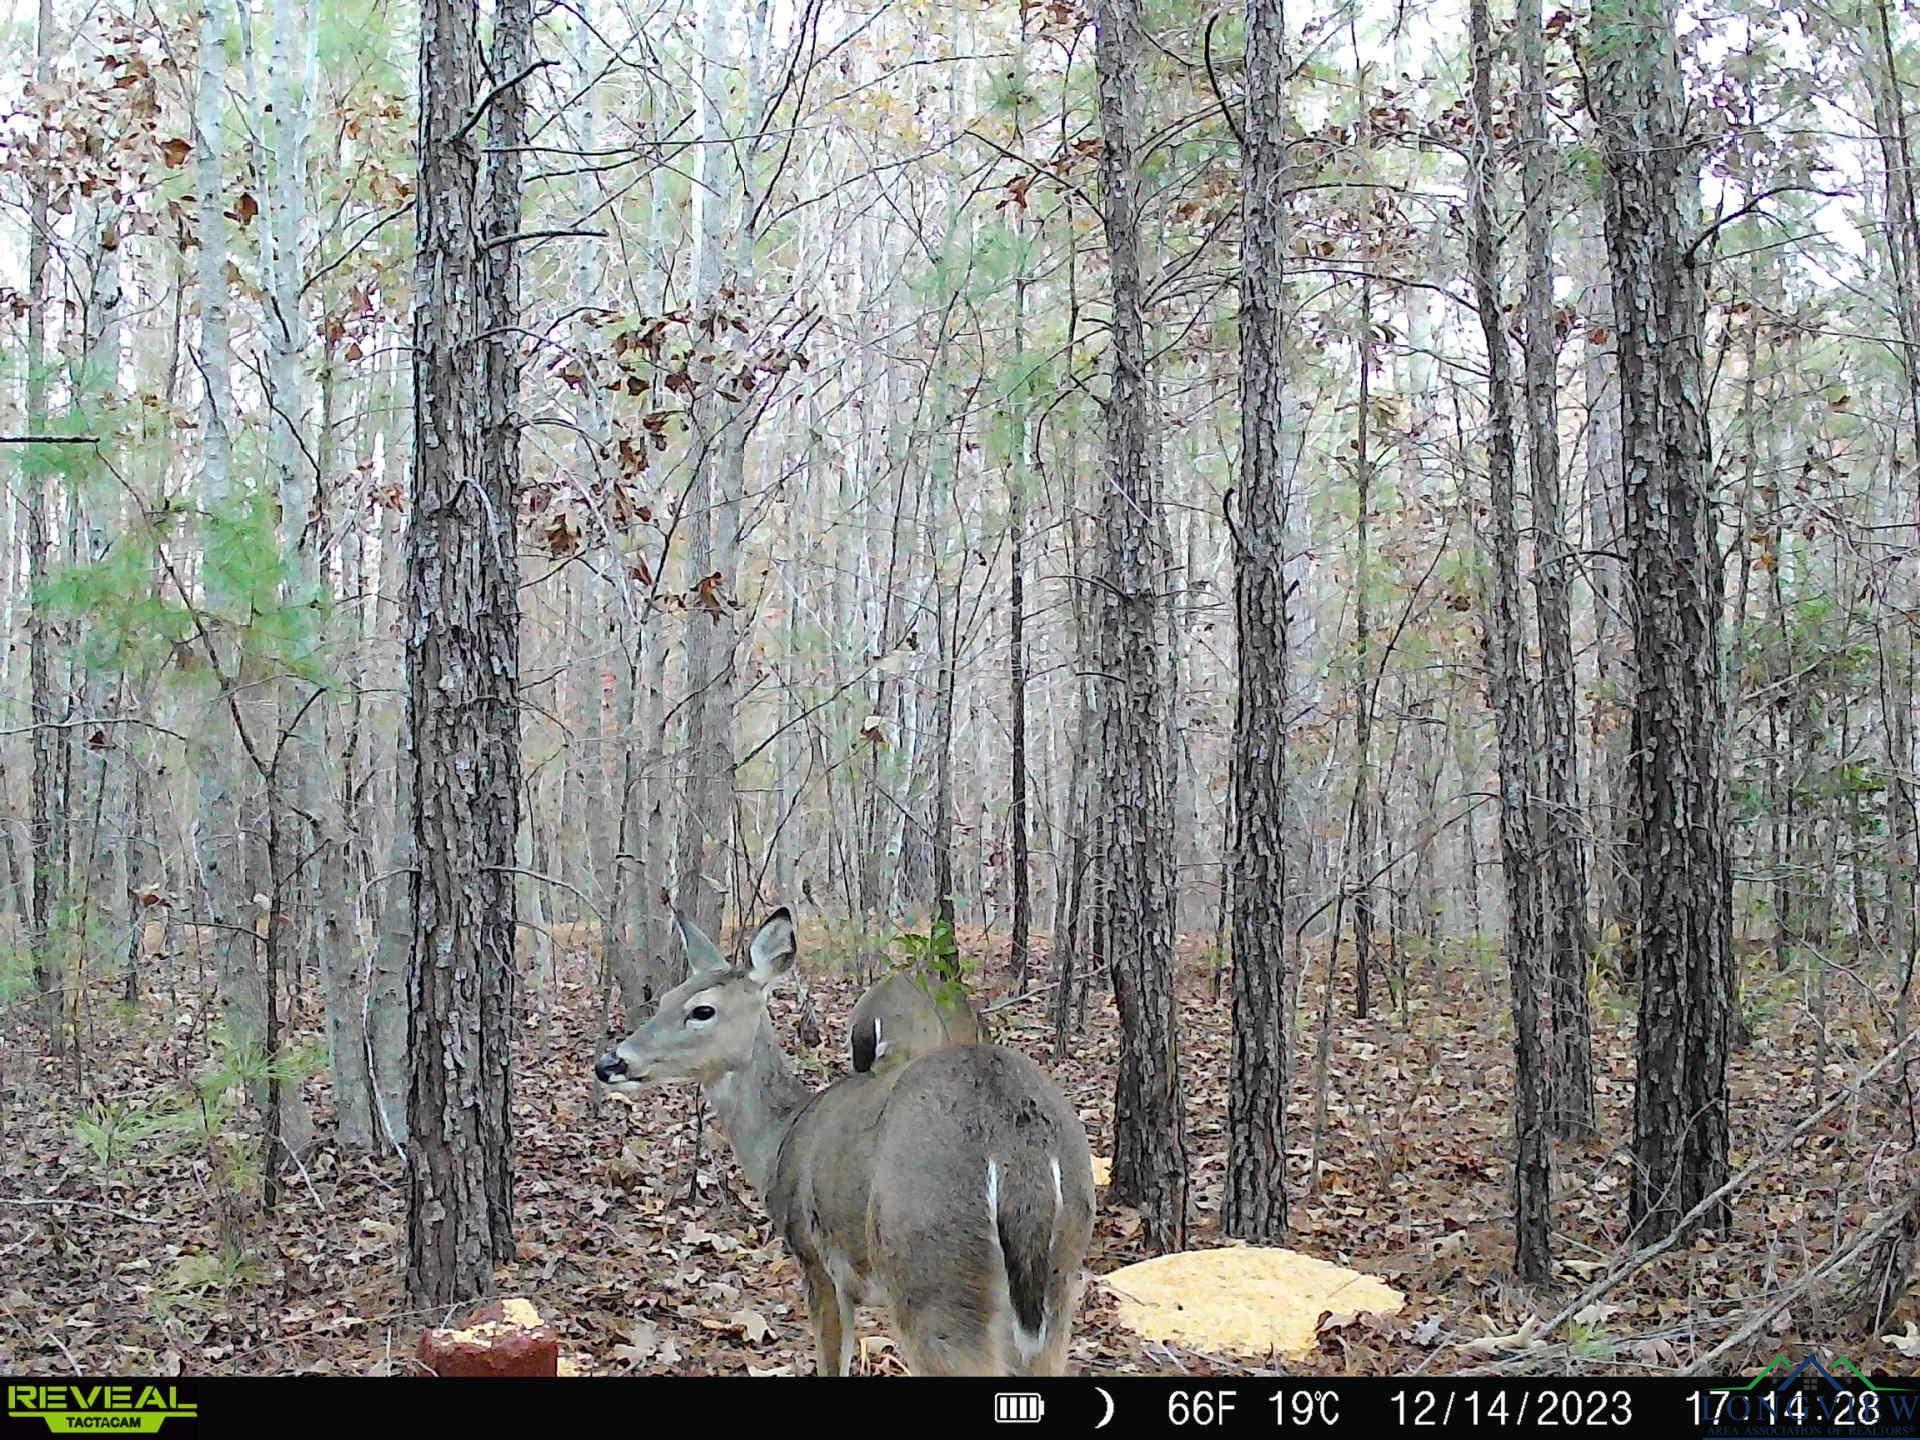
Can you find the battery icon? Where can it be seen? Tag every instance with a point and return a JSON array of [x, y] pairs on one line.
[[1016, 1407]]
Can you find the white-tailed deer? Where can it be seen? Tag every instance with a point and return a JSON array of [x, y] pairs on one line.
[[906, 1016], [196, 942], [956, 1190], [192, 941]]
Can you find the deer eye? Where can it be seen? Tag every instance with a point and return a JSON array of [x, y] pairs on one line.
[[700, 1012]]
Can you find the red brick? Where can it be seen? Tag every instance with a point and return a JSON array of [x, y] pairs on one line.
[[502, 1337]]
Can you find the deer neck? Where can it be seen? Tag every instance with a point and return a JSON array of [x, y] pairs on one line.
[[756, 1105]]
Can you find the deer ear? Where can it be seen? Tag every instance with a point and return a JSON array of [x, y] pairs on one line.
[[866, 1044], [702, 954], [771, 951]]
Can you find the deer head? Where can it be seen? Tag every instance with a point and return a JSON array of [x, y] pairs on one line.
[[705, 1027]]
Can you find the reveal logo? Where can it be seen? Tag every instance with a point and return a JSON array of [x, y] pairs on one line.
[[99, 1409]]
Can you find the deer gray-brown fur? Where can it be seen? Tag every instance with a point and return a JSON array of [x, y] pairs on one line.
[[905, 1017], [955, 1189]]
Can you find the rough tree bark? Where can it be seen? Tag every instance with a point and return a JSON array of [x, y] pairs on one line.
[[1137, 887], [1366, 830], [47, 803], [1680, 852], [463, 655], [1608, 787], [1512, 706], [1020, 856], [1902, 218], [1563, 901], [1255, 1203], [1017, 482], [1018, 479]]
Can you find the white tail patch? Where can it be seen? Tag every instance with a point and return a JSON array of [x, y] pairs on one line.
[[993, 1194], [880, 1048], [1059, 1190]]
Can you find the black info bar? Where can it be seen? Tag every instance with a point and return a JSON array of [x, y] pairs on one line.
[[1809, 1397]]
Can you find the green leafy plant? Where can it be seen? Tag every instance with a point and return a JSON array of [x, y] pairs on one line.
[[16, 973], [935, 962], [1588, 1342], [109, 1128]]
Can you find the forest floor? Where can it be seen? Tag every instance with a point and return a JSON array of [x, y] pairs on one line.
[[129, 1247]]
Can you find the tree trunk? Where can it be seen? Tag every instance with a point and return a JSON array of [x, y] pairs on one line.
[[946, 661], [47, 802], [1020, 857], [1903, 257], [294, 857], [1366, 833], [1609, 787], [334, 884], [1255, 1202], [1563, 902], [463, 657], [1072, 847], [388, 1022], [1680, 848], [1512, 709], [1137, 886], [712, 518]]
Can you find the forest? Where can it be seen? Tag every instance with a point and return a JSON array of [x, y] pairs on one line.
[[1326, 598]]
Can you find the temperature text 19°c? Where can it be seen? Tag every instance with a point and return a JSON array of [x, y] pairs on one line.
[[1217, 1407]]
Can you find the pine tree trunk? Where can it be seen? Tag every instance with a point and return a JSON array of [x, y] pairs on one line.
[[1680, 850], [1609, 789], [1563, 902], [334, 884], [946, 660], [1512, 709], [1021, 857], [1903, 255], [1018, 480], [1072, 844], [1137, 883], [463, 656], [1255, 1202], [47, 802], [1365, 789], [388, 1021]]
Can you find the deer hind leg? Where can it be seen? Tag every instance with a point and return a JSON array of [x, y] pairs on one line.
[[1051, 1357], [832, 1315], [1063, 1304]]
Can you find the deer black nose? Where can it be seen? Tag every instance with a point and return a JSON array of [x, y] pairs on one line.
[[610, 1066]]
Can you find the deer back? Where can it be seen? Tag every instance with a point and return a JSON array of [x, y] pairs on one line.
[[190, 940], [906, 1016]]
